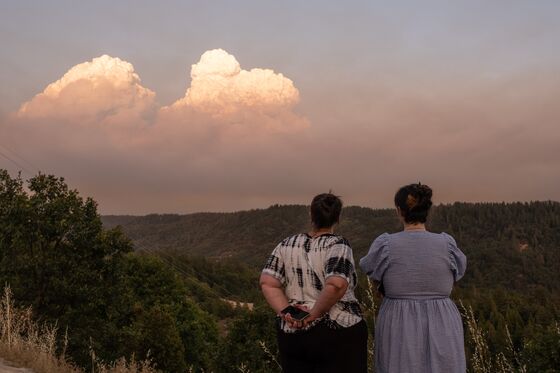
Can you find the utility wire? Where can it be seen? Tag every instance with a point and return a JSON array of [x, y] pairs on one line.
[[12, 159], [165, 257], [171, 261], [14, 162], [9, 150]]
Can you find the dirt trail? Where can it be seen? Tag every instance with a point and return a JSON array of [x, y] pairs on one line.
[[6, 368]]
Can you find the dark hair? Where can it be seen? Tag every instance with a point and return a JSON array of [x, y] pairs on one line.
[[325, 210], [414, 201]]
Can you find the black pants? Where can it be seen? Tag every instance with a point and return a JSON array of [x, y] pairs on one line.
[[324, 350]]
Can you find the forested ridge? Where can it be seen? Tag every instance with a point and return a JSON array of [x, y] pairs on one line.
[[513, 252], [514, 245], [155, 286]]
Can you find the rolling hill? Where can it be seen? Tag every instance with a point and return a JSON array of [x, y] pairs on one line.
[[511, 245]]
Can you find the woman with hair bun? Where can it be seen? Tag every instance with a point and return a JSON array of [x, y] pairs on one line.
[[419, 328]]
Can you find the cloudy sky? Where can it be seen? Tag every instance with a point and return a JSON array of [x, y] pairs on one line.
[[183, 106]]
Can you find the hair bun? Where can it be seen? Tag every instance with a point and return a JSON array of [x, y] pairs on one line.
[[414, 201], [424, 195], [424, 190]]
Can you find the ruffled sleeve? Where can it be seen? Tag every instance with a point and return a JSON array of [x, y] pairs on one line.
[[376, 262], [457, 259]]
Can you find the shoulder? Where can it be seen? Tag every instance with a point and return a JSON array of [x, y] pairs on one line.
[[451, 245], [381, 243], [448, 239], [377, 260], [383, 239], [295, 240], [336, 239], [328, 241]]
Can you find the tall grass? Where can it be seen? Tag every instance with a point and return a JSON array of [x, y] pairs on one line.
[[369, 308], [482, 361], [26, 343]]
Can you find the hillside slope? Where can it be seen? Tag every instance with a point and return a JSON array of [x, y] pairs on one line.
[[511, 245]]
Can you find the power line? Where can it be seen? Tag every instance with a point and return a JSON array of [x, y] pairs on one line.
[[170, 260], [16, 163], [11, 159], [166, 258], [9, 150]]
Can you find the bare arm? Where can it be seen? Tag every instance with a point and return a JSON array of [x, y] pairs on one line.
[[273, 292], [334, 289]]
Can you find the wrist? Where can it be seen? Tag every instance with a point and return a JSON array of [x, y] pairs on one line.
[[279, 310], [315, 314]]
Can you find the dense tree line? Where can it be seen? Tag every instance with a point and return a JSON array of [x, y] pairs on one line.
[[513, 251]]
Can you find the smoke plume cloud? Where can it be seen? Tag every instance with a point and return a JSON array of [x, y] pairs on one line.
[[237, 138]]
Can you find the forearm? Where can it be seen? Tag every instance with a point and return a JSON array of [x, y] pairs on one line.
[[275, 297], [327, 298]]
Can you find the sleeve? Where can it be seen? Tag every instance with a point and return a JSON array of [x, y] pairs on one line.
[[376, 262], [340, 261], [457, 259], [275, 265]]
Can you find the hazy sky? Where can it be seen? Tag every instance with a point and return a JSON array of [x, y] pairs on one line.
[[180, 106]]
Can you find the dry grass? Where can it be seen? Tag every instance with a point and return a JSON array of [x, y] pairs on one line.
[[243, 368], [267, 351], [370, 310], [482, 360], [124, 366], [25, 343]]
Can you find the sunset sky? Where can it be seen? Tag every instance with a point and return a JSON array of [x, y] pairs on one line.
[[184, 106]]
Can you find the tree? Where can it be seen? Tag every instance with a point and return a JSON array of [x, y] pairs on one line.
[[56, 255], [242, 345], [58, 258]]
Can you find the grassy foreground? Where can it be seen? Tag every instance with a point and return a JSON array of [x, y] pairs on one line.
[[27, 343]]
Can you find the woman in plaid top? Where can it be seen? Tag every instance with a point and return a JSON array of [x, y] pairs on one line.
[[315, 272]]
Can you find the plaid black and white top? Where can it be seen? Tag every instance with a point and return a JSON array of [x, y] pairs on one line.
[[303, 263]]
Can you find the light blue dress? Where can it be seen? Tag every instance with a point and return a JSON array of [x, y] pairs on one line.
[[419, 328]]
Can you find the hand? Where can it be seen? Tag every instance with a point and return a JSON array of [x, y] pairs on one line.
[[310, 319], [307, 321], [293, 323]]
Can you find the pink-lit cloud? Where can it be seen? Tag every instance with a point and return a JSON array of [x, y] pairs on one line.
[[99, 126], [103, 91], [236, 139], [254, 100], [107, 91], [219, 86]]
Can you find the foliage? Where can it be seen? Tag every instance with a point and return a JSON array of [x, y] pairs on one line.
[[251, 341], [542, 352], [60, 261], [25, 342]]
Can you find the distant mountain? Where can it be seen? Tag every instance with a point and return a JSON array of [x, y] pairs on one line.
[[512, 245]]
